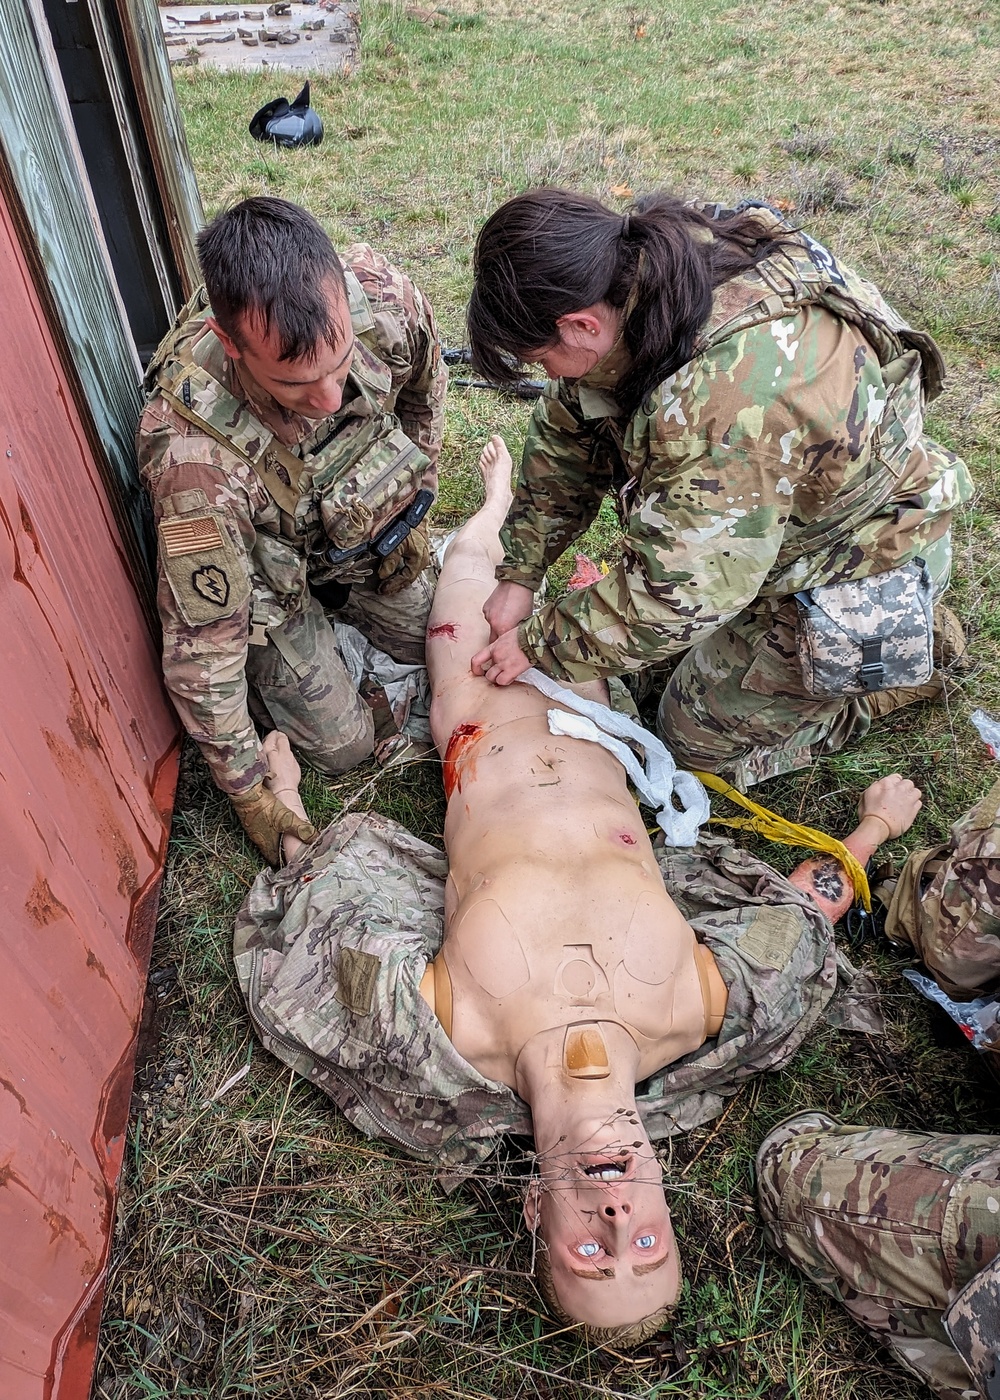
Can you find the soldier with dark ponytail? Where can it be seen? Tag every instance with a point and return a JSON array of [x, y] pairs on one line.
[[548, 253], [756, 409]]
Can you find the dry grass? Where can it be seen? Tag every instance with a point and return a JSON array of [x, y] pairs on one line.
[[262, 1248]]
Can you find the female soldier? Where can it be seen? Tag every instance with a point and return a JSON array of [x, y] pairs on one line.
[[757, 410]]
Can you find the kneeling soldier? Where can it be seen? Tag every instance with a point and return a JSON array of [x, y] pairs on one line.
[[290, 445]]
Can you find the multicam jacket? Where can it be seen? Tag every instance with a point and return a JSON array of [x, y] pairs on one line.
[[237, 534], [788, 453], [946, 904], [330, 952]]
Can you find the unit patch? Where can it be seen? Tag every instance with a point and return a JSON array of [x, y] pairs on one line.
[[207, 575], [212, 583]]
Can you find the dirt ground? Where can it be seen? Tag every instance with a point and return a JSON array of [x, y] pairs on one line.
[[251, 38]]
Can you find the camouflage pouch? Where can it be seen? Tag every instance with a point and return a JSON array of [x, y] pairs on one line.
[[365, 482], [867, 634], [946, 904], [973, 1324]]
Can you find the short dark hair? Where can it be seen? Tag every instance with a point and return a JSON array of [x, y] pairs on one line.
[[550, 252], [270, 259]]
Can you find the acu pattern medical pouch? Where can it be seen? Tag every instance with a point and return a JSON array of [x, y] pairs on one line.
[[867, 634]]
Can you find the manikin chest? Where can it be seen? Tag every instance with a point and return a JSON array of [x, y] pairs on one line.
[[627, 958]]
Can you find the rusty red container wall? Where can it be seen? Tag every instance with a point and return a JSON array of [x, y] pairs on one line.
[[87, 771]]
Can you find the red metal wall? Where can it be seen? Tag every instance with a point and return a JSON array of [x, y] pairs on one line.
[[87, 772]]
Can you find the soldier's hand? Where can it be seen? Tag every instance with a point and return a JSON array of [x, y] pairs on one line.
[[265, 819], [406, 563], [507, 605], [502, 661]]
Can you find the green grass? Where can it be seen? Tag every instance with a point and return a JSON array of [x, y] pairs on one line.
[[263, 1248]]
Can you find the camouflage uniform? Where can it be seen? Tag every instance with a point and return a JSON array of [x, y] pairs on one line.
[[787, 454], [946, 904], [904, 1230], [244, 494], [330, 952]]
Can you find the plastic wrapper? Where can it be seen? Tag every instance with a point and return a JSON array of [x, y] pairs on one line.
[[979, 1020]]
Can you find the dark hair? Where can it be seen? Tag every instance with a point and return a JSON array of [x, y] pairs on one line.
[[270, 259], [550, 252]]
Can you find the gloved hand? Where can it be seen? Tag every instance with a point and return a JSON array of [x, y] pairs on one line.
[[265, 819], [406, 563]]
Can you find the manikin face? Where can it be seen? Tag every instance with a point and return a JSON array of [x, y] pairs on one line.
[[585, 337], [311, 386], [604, 1218]]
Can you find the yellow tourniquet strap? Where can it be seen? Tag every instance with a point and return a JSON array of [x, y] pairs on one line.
[[775, 828]]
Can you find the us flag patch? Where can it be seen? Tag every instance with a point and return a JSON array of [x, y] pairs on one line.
[[190, 536]]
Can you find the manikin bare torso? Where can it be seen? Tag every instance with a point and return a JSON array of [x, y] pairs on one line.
[[566, 971], [556, 915], [555, 912]]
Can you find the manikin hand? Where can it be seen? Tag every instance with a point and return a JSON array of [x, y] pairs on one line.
[[273, 809], [894, 801], [283, 771], [502, 661], [507, 605]]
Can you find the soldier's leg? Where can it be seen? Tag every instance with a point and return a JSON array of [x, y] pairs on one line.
[[735, 704], [891, 1224], [396, 624], [303, 686]]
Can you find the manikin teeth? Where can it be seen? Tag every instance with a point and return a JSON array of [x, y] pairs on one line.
[[608, 1171]]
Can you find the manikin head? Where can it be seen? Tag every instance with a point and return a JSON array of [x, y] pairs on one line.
[[279, 302], [607, 1256]]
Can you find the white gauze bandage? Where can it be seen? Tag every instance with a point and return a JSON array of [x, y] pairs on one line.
[[658, 783]]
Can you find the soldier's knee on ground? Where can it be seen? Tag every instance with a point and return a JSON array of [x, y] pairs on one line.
[[892, 1224]]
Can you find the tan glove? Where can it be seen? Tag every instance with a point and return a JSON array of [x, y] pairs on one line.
[[406, 563], [265, 819]]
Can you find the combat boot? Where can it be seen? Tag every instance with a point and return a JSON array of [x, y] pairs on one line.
[[950, 648], [883, 702], [950, 644]]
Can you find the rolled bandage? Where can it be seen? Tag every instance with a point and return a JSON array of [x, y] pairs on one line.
[[657, 782]]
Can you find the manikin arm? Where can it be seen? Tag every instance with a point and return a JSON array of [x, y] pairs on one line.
[[283, 777], [887, 809]]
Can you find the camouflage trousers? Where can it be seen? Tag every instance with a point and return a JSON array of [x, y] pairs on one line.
[[297, 681], [892, 1224], [736, 704]]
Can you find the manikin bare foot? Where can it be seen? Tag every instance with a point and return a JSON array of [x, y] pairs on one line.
[[495, 466], [887, 809]]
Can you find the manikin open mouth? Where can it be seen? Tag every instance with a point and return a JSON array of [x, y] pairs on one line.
[[608, 1171]]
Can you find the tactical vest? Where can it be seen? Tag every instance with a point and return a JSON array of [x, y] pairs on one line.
[[805, 273], [340, 491]]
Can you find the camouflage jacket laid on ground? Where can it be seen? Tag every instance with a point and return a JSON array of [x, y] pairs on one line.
[[245, 492], [946, 903], [330, 952], [788, 453]]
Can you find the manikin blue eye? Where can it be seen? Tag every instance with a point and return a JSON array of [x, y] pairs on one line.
[[645, 1242], [588, 1250]]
